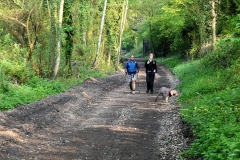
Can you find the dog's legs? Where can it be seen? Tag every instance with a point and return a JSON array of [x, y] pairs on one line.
[[167, 99], [157, 96], [163, 97]]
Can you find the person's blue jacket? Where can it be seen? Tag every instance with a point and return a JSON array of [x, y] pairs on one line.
[[131, 67]]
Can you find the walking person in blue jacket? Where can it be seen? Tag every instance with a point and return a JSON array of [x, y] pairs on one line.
[[131, 69]]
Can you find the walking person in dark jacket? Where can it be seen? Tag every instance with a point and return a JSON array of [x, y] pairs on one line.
[[151, 69], [131, 69]]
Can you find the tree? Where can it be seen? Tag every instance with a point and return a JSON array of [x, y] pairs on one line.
[[213, 25], [122, 26], [59, 38], [51, 11], [26, 21], [68, 31], [100, 34]]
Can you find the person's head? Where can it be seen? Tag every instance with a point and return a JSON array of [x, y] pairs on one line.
[[151, 56], [131, 57]]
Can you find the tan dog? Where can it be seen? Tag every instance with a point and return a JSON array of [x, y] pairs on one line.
[[166, 93]]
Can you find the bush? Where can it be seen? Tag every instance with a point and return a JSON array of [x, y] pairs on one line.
[[228, 50], [13, 63]]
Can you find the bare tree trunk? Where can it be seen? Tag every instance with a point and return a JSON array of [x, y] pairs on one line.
[[122, 25], [213, 25], [56, 69], [100, 34], [51, 10]]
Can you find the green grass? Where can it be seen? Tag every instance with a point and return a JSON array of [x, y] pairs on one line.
[[211, 105], [12, 95]]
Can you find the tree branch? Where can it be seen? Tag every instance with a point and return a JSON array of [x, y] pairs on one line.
[[13, 19]]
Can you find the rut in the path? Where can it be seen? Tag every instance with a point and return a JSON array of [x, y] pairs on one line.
[[97, 120]]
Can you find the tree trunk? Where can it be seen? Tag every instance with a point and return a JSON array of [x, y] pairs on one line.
[[100, 34], [31, 32], [56, 69], [122, 25], [213, 25], [51, 10]]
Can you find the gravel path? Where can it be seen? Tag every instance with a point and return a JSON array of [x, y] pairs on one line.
[[97, 120]]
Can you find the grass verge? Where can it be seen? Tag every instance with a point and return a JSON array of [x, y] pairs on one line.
[[211, 105], [13, 95]]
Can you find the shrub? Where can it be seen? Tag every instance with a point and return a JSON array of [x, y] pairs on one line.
[[226, 54]]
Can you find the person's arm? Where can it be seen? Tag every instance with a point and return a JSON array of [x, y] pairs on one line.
[[138, 68], [145, 65], [125, 67], [155, 67]]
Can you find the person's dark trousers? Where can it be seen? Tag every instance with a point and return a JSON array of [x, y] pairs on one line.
[[148, 86], [150, 81]]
